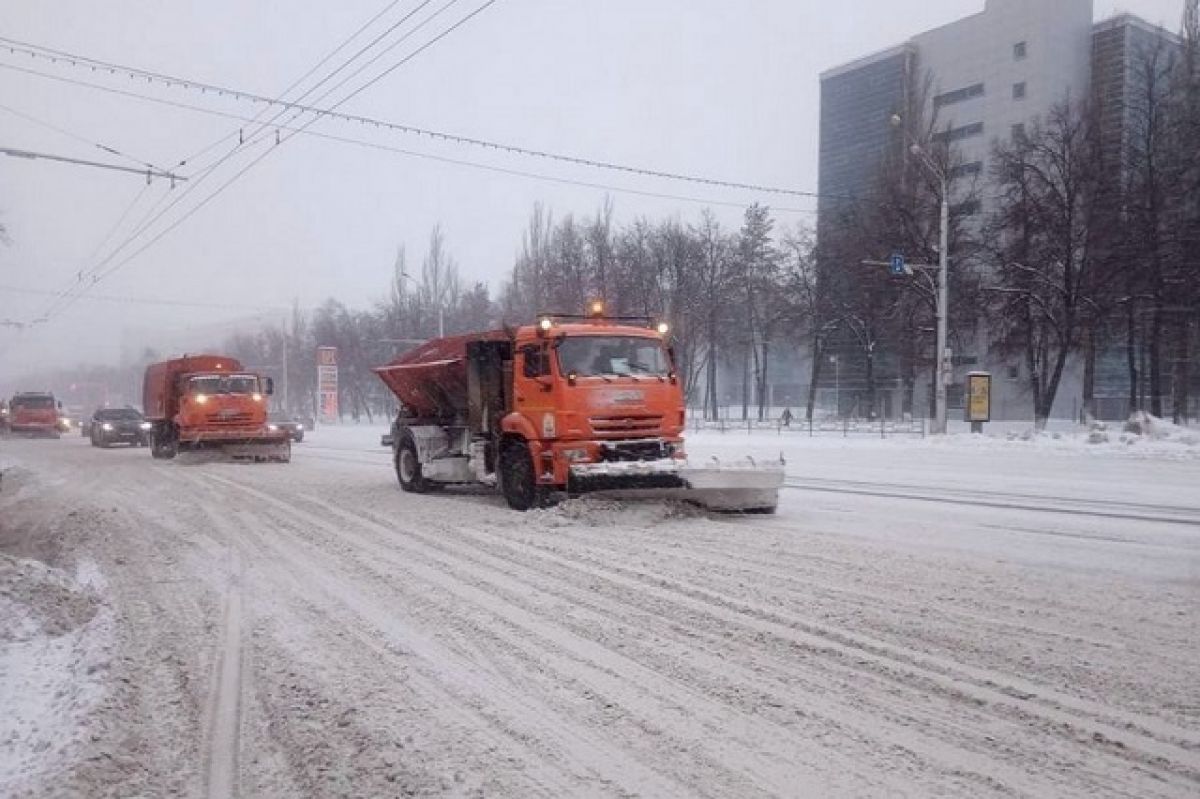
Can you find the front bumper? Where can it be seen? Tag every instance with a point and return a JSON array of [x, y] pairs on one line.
[[232, 435], [123, 436]]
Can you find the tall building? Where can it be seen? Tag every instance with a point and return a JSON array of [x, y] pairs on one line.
[[984, 78]]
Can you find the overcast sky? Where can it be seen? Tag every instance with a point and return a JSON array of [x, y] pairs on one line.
[[707, 87]]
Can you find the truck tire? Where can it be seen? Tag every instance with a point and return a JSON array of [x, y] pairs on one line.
[[408, 466], [518, 480], [163, 445]]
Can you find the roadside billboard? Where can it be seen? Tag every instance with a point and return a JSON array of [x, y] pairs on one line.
[[327, 384]]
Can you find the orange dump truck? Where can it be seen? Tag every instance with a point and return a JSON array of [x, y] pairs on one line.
[[569, 405], [210, 402]]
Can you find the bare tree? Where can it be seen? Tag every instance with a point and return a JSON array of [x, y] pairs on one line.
[[1042, 230]]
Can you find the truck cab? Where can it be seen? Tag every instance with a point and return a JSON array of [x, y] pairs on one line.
[[592, 393], [34, 413]]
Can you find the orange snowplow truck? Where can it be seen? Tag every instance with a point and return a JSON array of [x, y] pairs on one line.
[[34, 413], [568, 405], [209, 402]]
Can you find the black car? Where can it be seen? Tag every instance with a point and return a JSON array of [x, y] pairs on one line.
[[293, 428], [110, 426]]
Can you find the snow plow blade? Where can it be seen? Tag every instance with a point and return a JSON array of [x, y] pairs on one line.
[[740, 487], [278, 451]]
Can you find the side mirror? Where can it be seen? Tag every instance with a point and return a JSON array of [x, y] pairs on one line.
[[270, 386], [60, 405]]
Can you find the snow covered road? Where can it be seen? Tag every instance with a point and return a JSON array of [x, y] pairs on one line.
[[921, 618]]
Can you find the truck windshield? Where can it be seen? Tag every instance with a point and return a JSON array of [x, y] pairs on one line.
[[612, 355], [33, 403], [118, 414], [223, 384]]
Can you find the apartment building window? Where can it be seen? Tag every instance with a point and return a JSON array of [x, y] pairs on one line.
[[1018, 132], [968, 208], [1019, 91], [958, 95], [967, 170], [958, 134], [1020, 51]]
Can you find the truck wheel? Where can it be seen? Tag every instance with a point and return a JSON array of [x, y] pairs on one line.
[[163, 447], [408, 466], [518, 480]]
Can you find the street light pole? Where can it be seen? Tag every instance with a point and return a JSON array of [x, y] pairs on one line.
[[837, 386], [943, 312]]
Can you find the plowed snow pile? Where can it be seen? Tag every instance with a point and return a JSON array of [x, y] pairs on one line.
[[53, 634]]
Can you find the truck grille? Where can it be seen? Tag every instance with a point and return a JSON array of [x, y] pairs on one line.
[[230, 418], [625, 426]]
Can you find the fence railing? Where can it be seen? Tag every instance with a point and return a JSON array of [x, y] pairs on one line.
[[846, 427]]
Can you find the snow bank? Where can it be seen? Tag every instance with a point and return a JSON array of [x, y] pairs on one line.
[[55, 638], [1142, 425]]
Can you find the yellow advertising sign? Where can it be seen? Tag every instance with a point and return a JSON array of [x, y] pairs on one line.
[[979, 397]]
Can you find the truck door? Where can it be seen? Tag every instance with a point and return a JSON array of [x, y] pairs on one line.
[[533, 389]]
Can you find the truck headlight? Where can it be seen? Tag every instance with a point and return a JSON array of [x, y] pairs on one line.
[[575, 455], [274, 428], [201, 399], [146, 426], [106, 426]]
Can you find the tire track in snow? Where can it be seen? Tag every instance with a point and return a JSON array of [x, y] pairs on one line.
[[528, 715], [1157, 744], [594, 667], [504, 743], [225, 701]]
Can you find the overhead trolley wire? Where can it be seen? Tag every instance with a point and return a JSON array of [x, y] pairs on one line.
[[157, 211], [415, 153], [332, 113], [101, 274]]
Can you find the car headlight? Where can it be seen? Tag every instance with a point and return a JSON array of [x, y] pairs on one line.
[[146, 426], [106, 426]]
